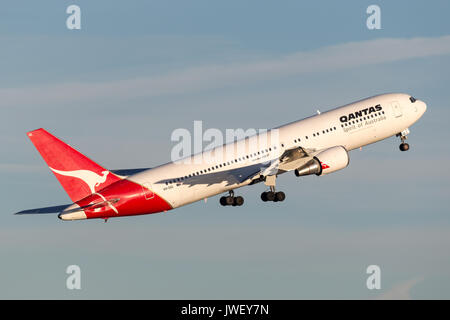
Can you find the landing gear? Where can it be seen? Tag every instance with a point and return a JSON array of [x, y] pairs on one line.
[[272, 195], [238, 201], [267, 196], [279, 196], [223, 201], [404, 147], [231, 200], [403, 136]]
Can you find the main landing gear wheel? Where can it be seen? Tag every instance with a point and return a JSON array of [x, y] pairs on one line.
[[231, 200], [280, 196], [273, 196], [238, 201]]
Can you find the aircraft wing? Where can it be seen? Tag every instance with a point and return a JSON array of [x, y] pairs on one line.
[[293, 158], [231, 177]]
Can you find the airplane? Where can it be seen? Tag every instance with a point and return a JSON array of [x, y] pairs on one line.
[[317, 145]]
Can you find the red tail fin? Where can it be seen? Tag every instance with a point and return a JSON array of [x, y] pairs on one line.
[[78, 175]]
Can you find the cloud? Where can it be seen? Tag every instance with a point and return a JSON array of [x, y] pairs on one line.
[[198, 78], [400, 291]]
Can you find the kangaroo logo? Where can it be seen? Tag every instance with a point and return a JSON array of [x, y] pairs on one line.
[[92, 179]]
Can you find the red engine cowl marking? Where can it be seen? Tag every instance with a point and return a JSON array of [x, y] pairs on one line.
[[324, 166], [132, 201]]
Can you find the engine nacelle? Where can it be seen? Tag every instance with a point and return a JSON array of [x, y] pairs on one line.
[[327, 161]]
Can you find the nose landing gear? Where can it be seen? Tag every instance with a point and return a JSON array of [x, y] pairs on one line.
[[404, 147], [403, 136]]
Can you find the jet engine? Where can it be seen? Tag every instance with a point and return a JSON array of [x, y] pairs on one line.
[[327, 161]]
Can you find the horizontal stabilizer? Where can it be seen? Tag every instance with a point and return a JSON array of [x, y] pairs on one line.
[[55, 209], [128, 172], [96, 205]]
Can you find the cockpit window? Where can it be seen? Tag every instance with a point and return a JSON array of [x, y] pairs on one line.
[[412, 99]]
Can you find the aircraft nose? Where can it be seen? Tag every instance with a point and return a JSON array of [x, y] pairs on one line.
[[422, 107]]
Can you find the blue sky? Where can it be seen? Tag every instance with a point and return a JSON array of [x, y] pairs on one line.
[[117, 88]]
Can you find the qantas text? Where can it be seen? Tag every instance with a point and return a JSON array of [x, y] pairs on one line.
[[360, 113]]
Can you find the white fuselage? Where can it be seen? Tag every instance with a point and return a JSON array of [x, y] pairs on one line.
[[351, 126]]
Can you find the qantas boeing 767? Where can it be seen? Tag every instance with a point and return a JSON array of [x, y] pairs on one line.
[[318, 145]]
